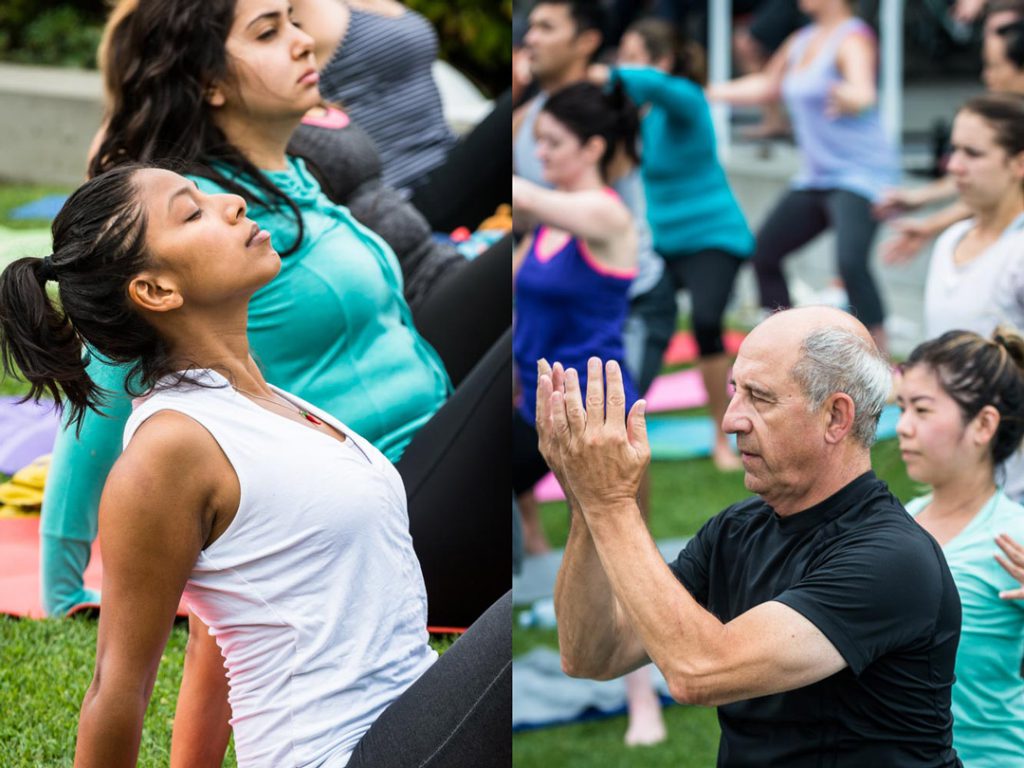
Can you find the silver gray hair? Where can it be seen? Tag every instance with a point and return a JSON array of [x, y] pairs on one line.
[[837, 360]]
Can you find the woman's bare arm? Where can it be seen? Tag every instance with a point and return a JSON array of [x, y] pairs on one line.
[[157, 510]]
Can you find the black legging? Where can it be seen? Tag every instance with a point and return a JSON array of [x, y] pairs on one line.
[[800, 216], [709, 275], [528, 466], [468, 309], [455, 472], [474, 178], [457, 714]]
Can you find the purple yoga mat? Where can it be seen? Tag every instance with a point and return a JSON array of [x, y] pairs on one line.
[[27, 431]]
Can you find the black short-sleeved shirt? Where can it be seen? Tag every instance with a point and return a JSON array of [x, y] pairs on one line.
[[877, 586]]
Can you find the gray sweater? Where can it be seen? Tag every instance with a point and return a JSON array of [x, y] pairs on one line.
[[348, 167]]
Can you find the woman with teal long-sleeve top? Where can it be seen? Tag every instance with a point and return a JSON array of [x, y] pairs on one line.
[[698, 227], [333, 327]]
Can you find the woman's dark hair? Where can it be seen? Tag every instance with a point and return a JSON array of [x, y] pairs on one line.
[[976, 372], [1013, 36], [662, 38], [98, 247], [160, 60], [1004, 113], [587, 111]]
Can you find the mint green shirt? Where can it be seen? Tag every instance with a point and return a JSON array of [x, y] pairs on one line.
[[332, 328], [988, 696]]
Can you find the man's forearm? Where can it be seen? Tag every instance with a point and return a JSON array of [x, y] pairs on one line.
[[678, 634], [594, 638]]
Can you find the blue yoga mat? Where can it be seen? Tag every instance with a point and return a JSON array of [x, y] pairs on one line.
[[44, 208], [688, 437], [544, 696]]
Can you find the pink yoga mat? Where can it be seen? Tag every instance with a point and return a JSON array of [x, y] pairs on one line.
[[676, 391], [19, 569]]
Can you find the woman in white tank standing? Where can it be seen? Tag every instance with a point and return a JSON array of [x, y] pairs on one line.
[[826, 74], [976, 274], [287, 533]]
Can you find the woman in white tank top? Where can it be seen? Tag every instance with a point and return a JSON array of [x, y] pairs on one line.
[[286, 532]]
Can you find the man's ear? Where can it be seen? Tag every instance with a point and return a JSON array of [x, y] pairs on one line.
[[213, 94], [590, 42], [154, 292], [839, 413]]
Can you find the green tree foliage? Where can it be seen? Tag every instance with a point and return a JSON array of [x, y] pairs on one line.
[[51, 32], [475, 35]]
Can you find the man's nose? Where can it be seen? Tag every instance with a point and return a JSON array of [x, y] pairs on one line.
[[735, 420]]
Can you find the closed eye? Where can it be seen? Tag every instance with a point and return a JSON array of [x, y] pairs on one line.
[[195, 216]]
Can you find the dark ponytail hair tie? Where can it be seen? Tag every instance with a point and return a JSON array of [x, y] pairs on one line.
[[46, 269]]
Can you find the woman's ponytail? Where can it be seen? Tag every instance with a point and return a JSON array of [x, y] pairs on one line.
[[627, 121], [99, 240], [38, 341]]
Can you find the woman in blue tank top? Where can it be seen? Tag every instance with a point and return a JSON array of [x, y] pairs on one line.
[[825, 72], [572, 278]]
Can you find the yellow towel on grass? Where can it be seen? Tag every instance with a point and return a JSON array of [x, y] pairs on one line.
[[23, 494]]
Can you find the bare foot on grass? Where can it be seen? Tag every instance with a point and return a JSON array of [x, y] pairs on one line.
[[646, 726]]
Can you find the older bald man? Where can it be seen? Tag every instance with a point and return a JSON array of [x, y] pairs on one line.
[[818, 617]]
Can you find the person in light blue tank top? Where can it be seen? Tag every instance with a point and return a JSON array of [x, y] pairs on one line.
[[826, 73], [961, 397]]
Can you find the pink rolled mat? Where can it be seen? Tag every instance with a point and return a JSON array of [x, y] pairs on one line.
[[676, 391]]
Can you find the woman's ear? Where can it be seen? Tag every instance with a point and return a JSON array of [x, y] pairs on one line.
[[214, 94], [154, 292], [594, 148], [985, 425]]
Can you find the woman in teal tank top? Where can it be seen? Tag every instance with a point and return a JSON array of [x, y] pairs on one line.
[[333, 327], [961, 397]]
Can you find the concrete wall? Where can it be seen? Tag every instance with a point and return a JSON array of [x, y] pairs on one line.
[[48, 117], [47, 120]]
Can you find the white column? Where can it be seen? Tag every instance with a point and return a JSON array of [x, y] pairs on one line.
[[891, 54], [719, 61]]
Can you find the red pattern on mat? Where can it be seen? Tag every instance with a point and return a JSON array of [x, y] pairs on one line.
[[19, 573], [19, 569]]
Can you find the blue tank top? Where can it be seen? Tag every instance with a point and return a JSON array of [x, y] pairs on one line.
[[849, 152], [568, 308]]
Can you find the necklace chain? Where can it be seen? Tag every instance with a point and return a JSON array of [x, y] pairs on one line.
[[301, 411]]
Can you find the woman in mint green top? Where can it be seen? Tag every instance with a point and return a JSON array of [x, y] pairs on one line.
[[961, 398], [333, 327]]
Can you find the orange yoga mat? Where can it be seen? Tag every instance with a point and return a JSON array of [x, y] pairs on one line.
[[19, 570]]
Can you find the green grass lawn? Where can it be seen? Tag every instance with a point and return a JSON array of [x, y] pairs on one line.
[[13, 195], [45, 669], [684, 495]]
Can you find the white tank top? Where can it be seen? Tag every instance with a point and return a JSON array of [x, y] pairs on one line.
[[313, 593]]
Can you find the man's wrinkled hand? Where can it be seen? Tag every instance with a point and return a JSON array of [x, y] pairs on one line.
[[603, 453]]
